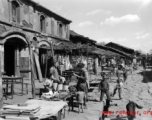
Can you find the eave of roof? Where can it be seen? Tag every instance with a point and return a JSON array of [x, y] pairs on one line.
[[74, 34], [119, 45], [113, 50]]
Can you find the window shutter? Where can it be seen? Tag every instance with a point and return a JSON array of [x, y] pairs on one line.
[[18, 14], [64, 31], [48, 25], [36, 21], [58, 31], [55, 27], [67, 31], [13, 12], [31, 16], [52, 26]]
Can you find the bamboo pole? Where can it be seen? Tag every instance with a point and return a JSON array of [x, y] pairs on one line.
[[1, 86], [46, 64], [52, 49]]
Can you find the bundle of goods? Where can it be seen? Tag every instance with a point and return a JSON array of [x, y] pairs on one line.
[[10, 112], [32, 110]]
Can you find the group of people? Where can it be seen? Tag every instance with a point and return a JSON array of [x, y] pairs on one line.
[[104, 88], [82, 76], [104, 84]]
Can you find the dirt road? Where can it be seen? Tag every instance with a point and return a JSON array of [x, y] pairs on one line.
[[136, 89]]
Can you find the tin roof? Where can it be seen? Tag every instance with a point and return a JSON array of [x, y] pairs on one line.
[[74, 34]]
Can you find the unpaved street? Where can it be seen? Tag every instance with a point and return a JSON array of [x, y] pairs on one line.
[[135, 89]]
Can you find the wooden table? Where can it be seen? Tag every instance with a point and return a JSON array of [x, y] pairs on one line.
[[12, 80]]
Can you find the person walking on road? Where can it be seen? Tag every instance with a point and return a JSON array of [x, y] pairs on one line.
[[104, 88], [119, 88], [124, 73]]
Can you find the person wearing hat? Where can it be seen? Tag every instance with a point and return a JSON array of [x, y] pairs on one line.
[[104, 88]]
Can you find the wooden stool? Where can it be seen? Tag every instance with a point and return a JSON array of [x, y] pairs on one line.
[[26, 83]]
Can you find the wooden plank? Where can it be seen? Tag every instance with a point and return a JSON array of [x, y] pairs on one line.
[[38, 67], [32, 75], [34, 66]]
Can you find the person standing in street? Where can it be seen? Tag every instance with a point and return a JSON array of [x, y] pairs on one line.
[[104, 88], [144, 63], [82, 78]]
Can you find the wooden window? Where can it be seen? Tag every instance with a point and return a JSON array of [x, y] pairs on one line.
[[42, 24], [15, 12]]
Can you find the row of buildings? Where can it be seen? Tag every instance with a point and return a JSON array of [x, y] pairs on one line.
[[26, 26]]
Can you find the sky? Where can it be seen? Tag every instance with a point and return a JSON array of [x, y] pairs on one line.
[[126, 22]]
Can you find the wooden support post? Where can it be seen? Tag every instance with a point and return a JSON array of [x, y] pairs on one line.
[[1, 70], [17, 57], [46, 64], [52, 49], [96, 65], [32, 71]]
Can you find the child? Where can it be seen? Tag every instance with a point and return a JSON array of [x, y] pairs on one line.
[[104, 88], [131, 109], [118, 87], [80, 99]]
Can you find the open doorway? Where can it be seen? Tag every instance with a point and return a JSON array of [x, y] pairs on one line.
[[45, 65], [12, 48], [9, 59], [42, 59]]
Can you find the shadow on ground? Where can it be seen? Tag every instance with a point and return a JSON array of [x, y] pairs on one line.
[[119, 118]]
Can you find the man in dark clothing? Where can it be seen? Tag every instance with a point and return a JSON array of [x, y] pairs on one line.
[[131, 110], [105, 109], [144, 63], [104, 88]]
